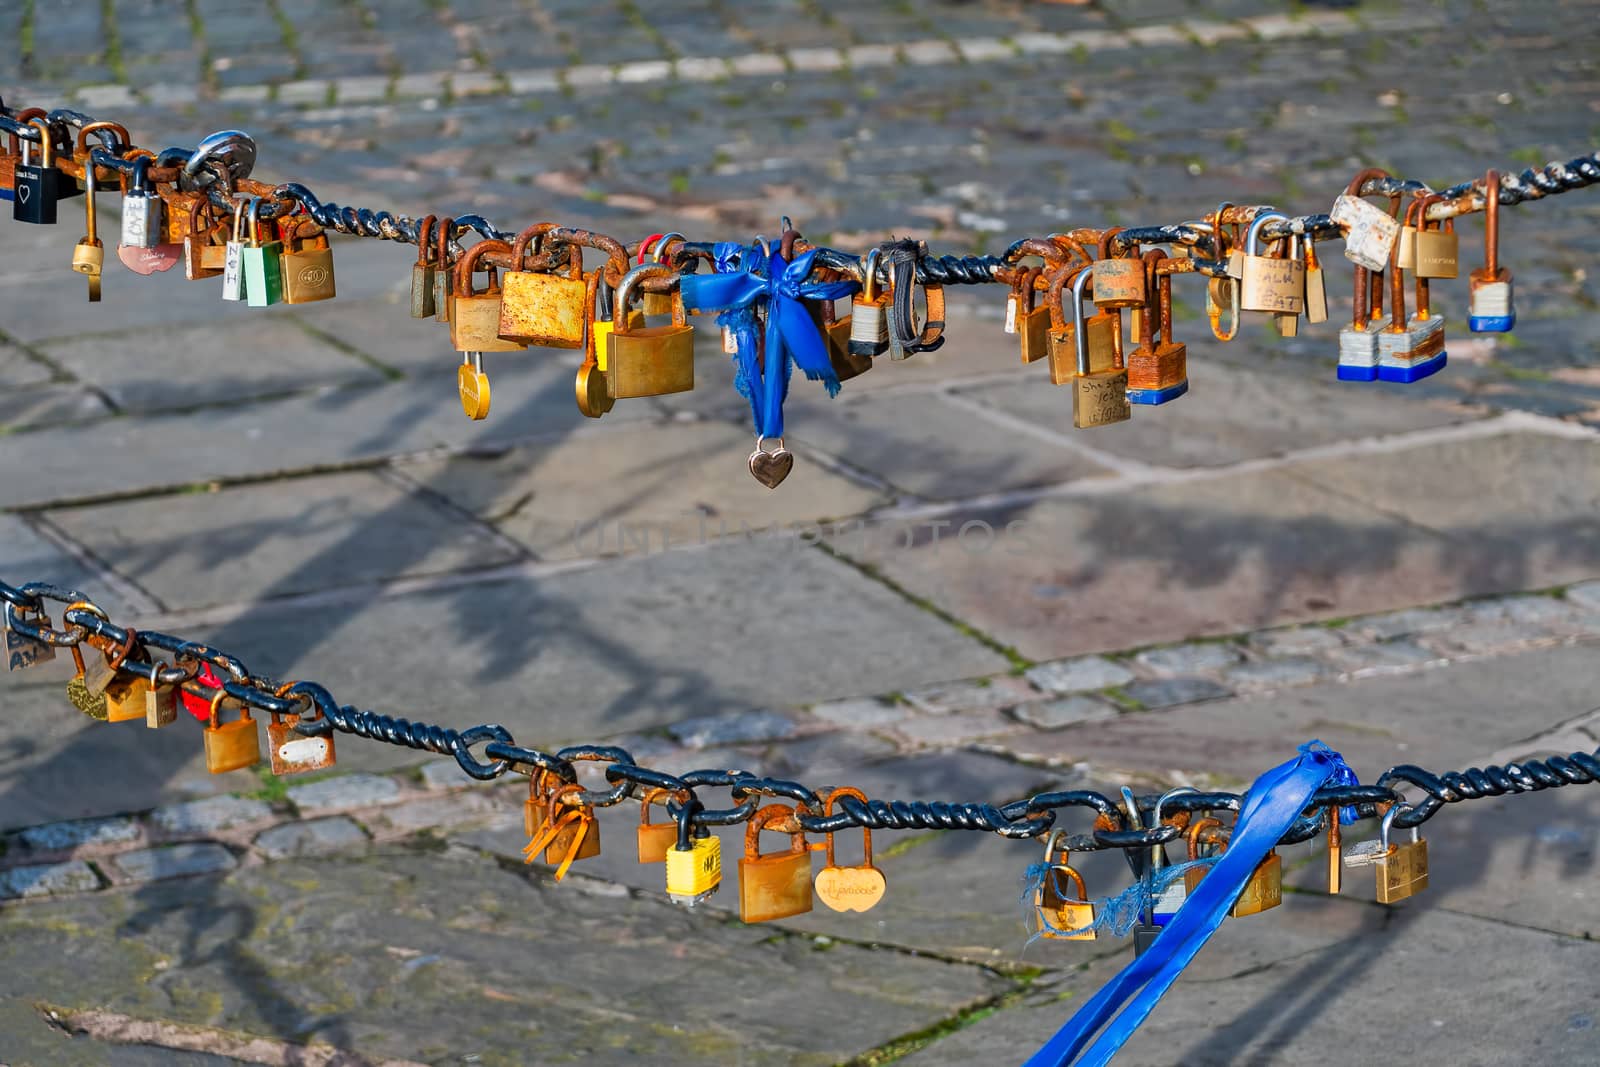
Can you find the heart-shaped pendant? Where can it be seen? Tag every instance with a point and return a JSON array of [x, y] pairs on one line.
[[149, 260], [770, 468], [473, 385], [850, 888], [594, 399]]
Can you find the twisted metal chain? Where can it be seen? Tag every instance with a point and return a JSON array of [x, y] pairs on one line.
[[1532, 184], [27, 620]]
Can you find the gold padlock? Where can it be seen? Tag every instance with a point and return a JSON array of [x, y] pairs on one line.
[[1101, 330], [565, 836], [1264, 890], [204, 255], [125, 693], [593, 398], [857, 888], [1062, 918], [655, 838], [654, 360], [1098, 398], [777, 885], [1032, 317], [475, 317], [231, 746], [1438, 251], [538, 307], [1402, 869], [307, 262]]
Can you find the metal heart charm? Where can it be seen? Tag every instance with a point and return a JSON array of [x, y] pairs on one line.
[[850, 888], [23, 192], [770, 468], [150, 260], [473, 385]]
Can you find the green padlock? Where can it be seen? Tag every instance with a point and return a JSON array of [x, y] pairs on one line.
[[263, 270]]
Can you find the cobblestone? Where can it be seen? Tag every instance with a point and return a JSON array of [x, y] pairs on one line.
[[997, 692], [1276, 673], [1298, 641], [1410, 623], [306, 838], [1585, 595], [958, 728], [1199, 658], [60, 836], [47, 879], [1168, 692], [860, 714], [211, 815], [736, 729], [1066, 711], [1382, 656], [343, 792], [175, 861], [1078, 675]]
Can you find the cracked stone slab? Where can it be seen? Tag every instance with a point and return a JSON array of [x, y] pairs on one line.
[[1231, 553], [26, 552], [642, 491], [297, 937], [280, 538]]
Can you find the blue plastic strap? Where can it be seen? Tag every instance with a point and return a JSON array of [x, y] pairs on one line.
[[1270, 807]]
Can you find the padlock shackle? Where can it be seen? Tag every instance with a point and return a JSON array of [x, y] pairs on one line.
[[866, 832], [469, 263], [424, 229], [662, 251], [536, 232], [1491, 224], [630, 282], [47, 146], [1252, 236], [1077, 883], [122, 141], [1150, 320], [1198, 827], [1104, 246], [1080, 323], [770, 814], [869, 274]]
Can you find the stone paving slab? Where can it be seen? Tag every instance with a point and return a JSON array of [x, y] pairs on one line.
[[218, 362], [1150, 565], [280, 538], [642, 490], [1373, 994], [1230, 414], [24, 551], [458, 931], [50, 405]]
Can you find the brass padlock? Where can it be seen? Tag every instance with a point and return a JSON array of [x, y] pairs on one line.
[[1268, 283], [1438, 250], [869, 312], [230, 746], [89, 255], [444, 292], [1063, 334], [424, 273], [857, 888], [204, 255], [777, 885], [475, 317], [1158, 371], [1405, 244], [125, 693], [565, 836], [1098, 398], [1264, 889], [1062, 918], [1033, 317], [1119, 281], [160, 701], [654, 360], [542, 308], [291, 751], [655, 838], [593, 398], [307, 262], [836, 335], [1402, 869]]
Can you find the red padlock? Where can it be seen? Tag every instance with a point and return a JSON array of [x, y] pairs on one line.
[[200, 706]]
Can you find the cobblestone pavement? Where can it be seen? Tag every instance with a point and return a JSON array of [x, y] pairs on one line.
[[954, 596]]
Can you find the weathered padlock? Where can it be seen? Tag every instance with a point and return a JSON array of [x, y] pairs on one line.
[[1063, 917], [777, 885], [230, 746], [1405, 242], [37, 185], [22, 650], [1269, 283], [178, 214], [8, 165], [475, 317], [694, 862], [87, 689], [1098, 398], [1202, 831], [1409, 351], [540, 307], [113, 137], [857, 888], [424, 272], [660, 303], [593, 398], [869, 314], [653, 360], [836, 335], [160, 700], [125, 692], [1158, 371], [1118, 280], [1358, 342], [566, 836], [89, 255], [1101, 328], [143, 221], [1369, 232], [307, 262], [1032, 316], [261, 264], [1401, 869], [655, 839], [444, 292], [1264, 889], [1491, 309], [204, 255], [291, 751]]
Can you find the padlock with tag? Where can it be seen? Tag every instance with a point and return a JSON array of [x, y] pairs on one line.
[[542, 307], [89, 255], [1098, 398], [653, 360], [37, 184], [1401, 869], [694, 862], [856, 888], [775, 885], [1158, 370], [230, 746], [1409, 351], [1062, 917], [233, 255], [306, 262], [565, 835], [262, 264], [1491, 309], [1118, 280], [424, 271], [292, 752], [869, 314], [1370, 233]]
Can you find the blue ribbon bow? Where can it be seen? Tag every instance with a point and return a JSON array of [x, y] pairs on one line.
[[747, 279]]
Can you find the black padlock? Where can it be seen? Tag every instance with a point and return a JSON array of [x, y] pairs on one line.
[[38, 185], [1144, 935]]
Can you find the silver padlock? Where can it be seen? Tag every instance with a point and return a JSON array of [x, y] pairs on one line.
[[141, 209], [1410, 350], [1358, 342]]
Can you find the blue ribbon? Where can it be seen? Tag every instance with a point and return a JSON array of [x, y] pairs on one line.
[[1270, 807], [747, 281]]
